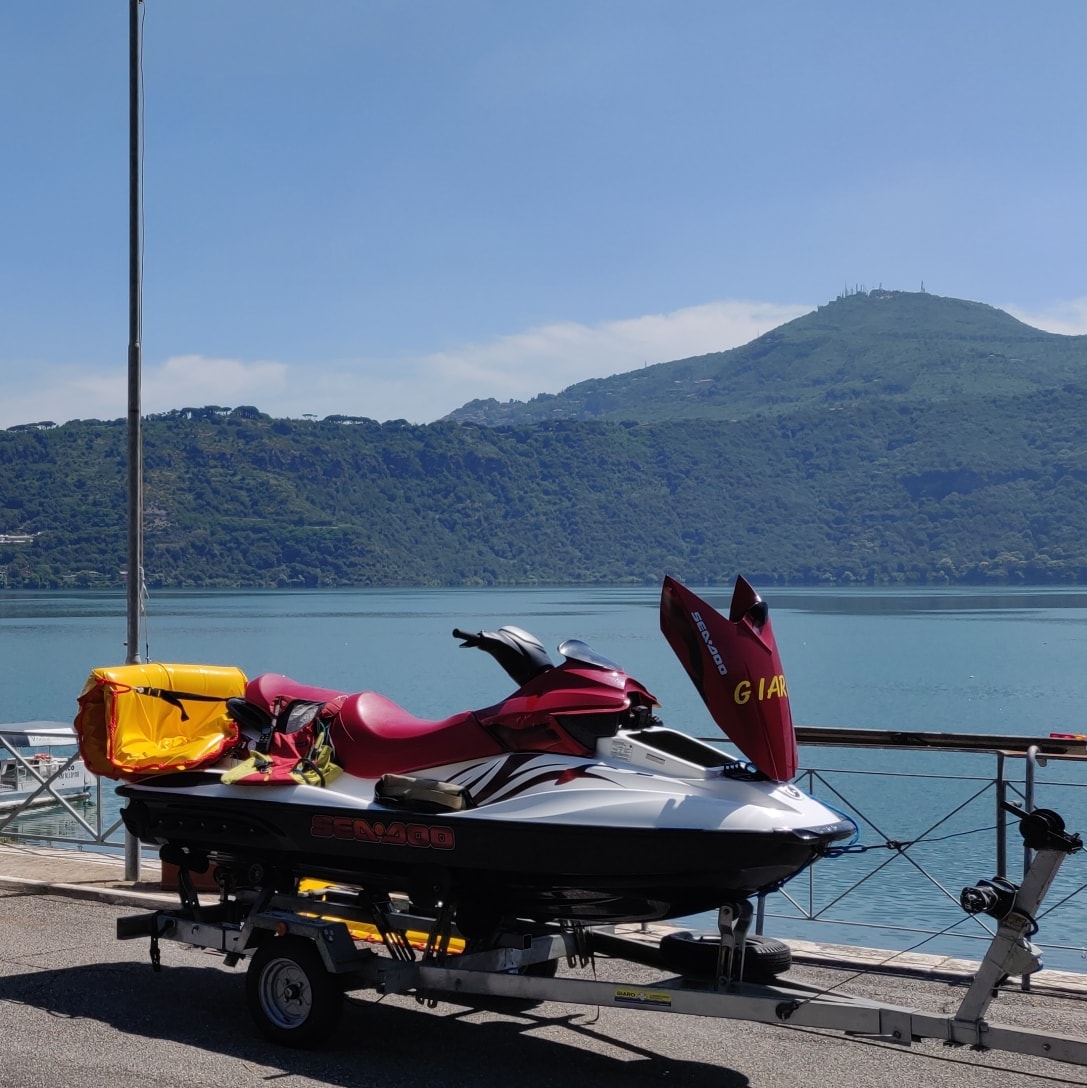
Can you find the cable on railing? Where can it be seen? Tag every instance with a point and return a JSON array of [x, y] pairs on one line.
[[903, 844], [899, 848]]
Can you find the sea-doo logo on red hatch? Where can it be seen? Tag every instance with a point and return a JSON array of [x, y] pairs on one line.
[[397, 833], [704, 631]]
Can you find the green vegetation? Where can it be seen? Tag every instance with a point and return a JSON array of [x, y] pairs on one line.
[[861, 446]]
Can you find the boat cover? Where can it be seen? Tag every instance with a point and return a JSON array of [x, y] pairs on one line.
[[135, 720]]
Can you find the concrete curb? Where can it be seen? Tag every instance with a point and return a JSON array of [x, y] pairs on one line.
[[120, 897]]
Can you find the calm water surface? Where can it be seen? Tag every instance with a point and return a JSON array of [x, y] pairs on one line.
[[1007, 661]]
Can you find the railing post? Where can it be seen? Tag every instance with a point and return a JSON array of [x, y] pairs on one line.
[[1001, 824], [1032, 764], [1028, 803]]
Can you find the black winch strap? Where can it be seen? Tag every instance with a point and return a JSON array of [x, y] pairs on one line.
[[174, 698]]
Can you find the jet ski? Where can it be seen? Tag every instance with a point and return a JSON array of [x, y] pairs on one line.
[[567, 800]]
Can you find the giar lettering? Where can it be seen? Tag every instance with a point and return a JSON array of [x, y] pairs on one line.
[[771, 688]]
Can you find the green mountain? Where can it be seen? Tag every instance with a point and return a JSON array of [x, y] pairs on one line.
[[877, 345], [885, 439]]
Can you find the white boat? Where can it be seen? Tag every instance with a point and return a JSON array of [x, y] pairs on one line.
[[33, 773]]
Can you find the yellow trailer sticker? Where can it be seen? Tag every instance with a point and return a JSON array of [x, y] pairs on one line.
[[629, 995]]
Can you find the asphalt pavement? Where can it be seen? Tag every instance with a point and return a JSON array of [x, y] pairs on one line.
[[77, 1006]]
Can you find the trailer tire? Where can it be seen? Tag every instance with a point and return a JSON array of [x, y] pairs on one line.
[[292, 998], [694, 955]]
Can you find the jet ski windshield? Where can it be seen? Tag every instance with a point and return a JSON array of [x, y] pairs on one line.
[[576, 650]]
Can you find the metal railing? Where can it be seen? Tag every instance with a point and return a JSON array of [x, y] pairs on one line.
[[43, 794], [891, 878]]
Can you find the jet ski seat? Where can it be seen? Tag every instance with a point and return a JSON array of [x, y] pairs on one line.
[[373, 736], [271, 690]]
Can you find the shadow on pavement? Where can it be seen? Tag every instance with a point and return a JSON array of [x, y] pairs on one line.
[[204, 1007]]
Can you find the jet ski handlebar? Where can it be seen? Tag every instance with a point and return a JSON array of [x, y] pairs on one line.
[[520, 654]]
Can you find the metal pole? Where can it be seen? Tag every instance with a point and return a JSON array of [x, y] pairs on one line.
[[134, 577], [135, 444], [1001, 819]]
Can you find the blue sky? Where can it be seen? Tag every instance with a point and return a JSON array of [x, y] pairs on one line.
[[386, 209]]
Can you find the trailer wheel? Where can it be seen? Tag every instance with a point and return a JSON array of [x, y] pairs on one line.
[[695, 956], [294, 1000]]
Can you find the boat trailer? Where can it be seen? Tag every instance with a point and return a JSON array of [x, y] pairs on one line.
[[307, 948]]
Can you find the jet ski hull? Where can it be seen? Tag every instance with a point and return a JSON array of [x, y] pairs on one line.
[[556, 838]]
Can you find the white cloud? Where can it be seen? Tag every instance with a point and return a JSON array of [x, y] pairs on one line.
[[424, 387], [1068, 318], [195, 380], [550, 358], [59, 393], [420, 388], [63, 393]]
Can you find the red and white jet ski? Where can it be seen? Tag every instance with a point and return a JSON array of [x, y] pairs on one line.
[[566, 800]]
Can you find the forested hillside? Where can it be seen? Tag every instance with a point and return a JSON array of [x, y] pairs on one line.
[[869, 490]]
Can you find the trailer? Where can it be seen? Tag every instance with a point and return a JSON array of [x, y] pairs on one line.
[[309, 945]]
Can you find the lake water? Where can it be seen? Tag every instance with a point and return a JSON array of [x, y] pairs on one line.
[[957, 660]]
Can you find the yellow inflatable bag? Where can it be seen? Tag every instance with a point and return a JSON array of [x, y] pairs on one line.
[[136, 720]]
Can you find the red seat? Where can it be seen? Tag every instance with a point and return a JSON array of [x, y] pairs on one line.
[[373, 736], [271, 691]]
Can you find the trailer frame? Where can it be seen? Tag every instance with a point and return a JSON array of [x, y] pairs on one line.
[[305, 952]]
